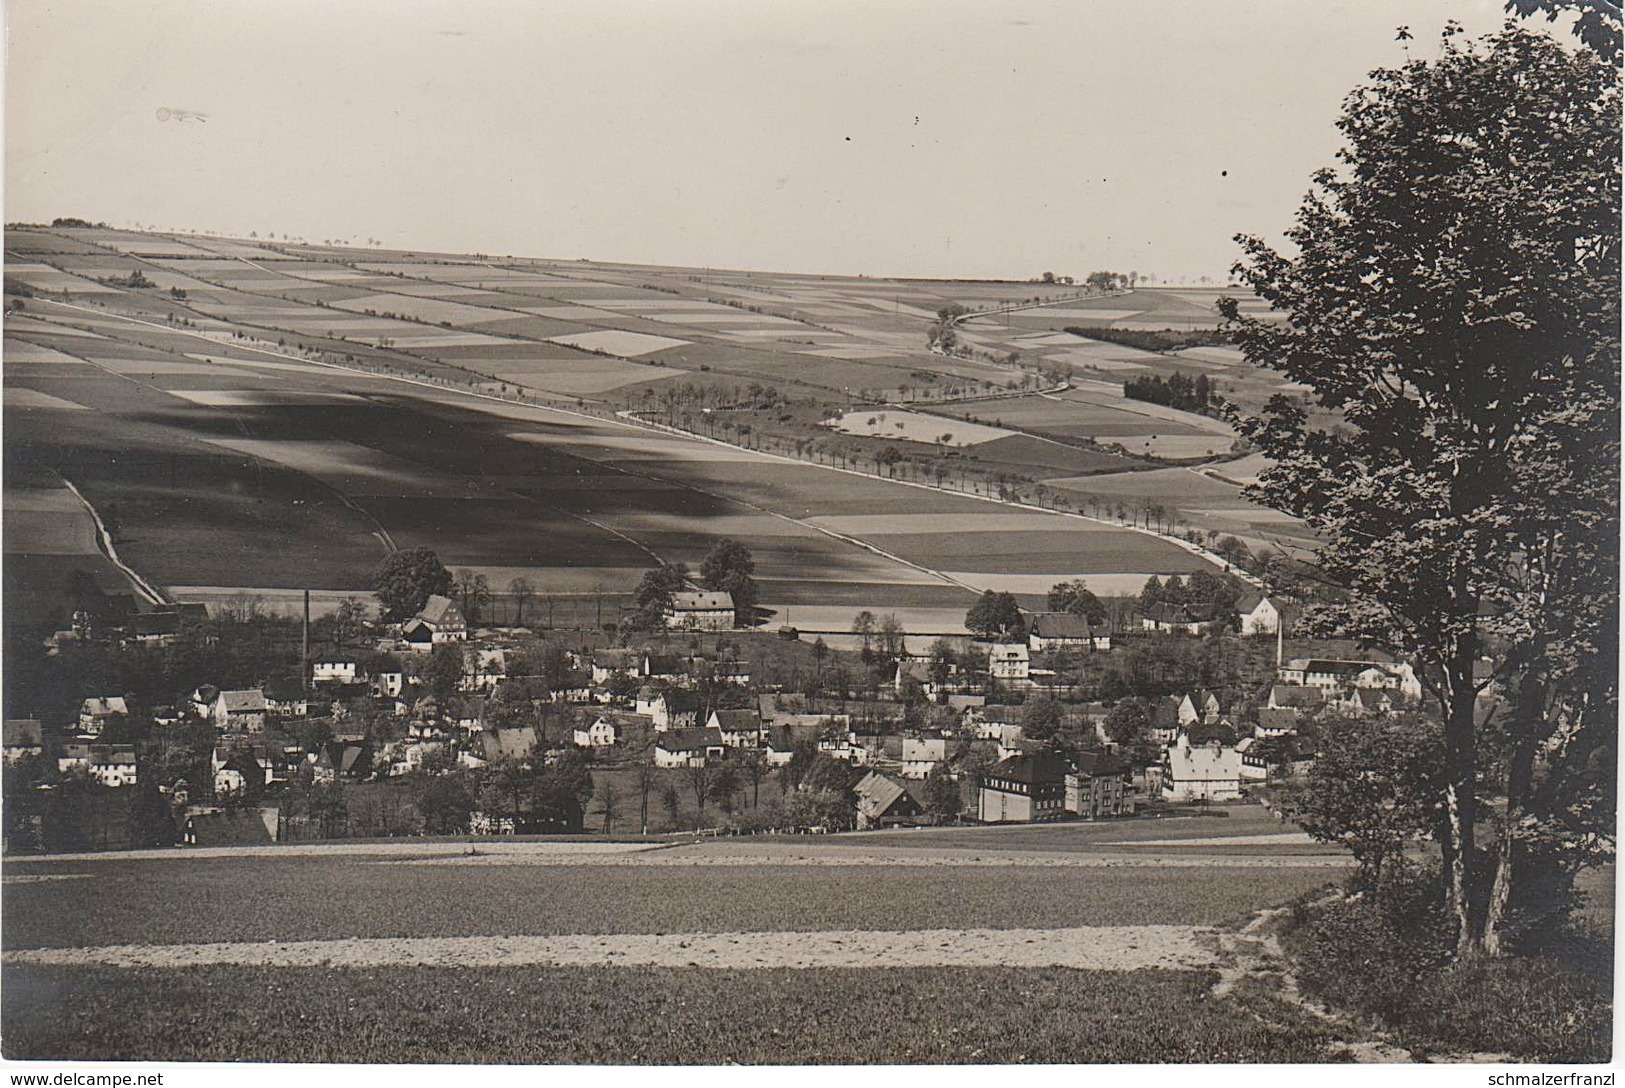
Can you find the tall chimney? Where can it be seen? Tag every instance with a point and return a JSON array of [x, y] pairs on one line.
[[304, 648]]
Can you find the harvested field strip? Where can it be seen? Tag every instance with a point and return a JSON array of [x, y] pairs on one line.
[[651, 1016], [1097, 948], [308, 899]]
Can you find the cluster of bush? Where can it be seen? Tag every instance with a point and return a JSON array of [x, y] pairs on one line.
[[1175, 391], [1386, 953]]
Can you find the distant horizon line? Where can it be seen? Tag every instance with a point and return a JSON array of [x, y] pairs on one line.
[[253, 236]]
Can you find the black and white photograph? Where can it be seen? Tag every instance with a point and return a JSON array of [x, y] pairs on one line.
[[903, 533]]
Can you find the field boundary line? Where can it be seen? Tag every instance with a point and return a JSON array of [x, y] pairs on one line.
[[1195, 549], [104, 541]]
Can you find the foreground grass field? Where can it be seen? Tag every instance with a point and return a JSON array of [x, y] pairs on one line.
[[268, 898], [643, 1015]]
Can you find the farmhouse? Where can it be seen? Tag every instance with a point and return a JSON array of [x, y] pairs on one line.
[[341, 760], [600, 734], [1295, 697], [1099, 787], [156, 628], [234, 769], [1023, 789], [1327, 675], [1176, 619], [882, 800], [96, 713], [1052, 630], [1010, 740], [701, 611], [241, 711], [1170, 714], [438, 621], [607, 663], [285, 698], [1262, 615], [688, 748], [112, 765], [774, 707], [667, 667], [1209, 772], [739, 728], [922, 755], [1275, 721], [779, 747], [731, 672], [23, 738], [673, 710]]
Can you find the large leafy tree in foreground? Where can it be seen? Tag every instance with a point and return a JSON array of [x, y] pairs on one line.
[[1453, 296]]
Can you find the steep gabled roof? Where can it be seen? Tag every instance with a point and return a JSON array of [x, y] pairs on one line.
[[877, 795], [244, 701], [738, 721], [681, 701], [689, 740], [1061, 625], [1033, 768], [440, 611], [1297, 695], [156, 623]]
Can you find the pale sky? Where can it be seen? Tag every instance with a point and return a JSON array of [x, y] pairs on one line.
[[941, 138]]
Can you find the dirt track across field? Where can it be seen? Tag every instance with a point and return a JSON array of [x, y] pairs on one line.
[[1099, 948]]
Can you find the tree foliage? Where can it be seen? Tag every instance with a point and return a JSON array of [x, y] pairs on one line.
[[407, 578], [1076, 597], [652, 598], [728, 567], [995, 615], [1454, 297], [1375, 787]]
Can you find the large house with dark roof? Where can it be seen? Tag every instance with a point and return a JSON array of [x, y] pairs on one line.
[[1028, 788], [1099, 786], [688, 748], [883, 800]]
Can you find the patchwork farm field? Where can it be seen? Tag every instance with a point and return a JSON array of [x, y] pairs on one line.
[[277, 418], [525, 951]]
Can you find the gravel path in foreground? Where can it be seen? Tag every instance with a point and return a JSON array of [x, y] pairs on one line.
[[896, 859], [1098, 948]]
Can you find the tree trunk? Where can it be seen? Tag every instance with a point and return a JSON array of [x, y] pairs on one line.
[[1527, 717], [1461, 766]]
